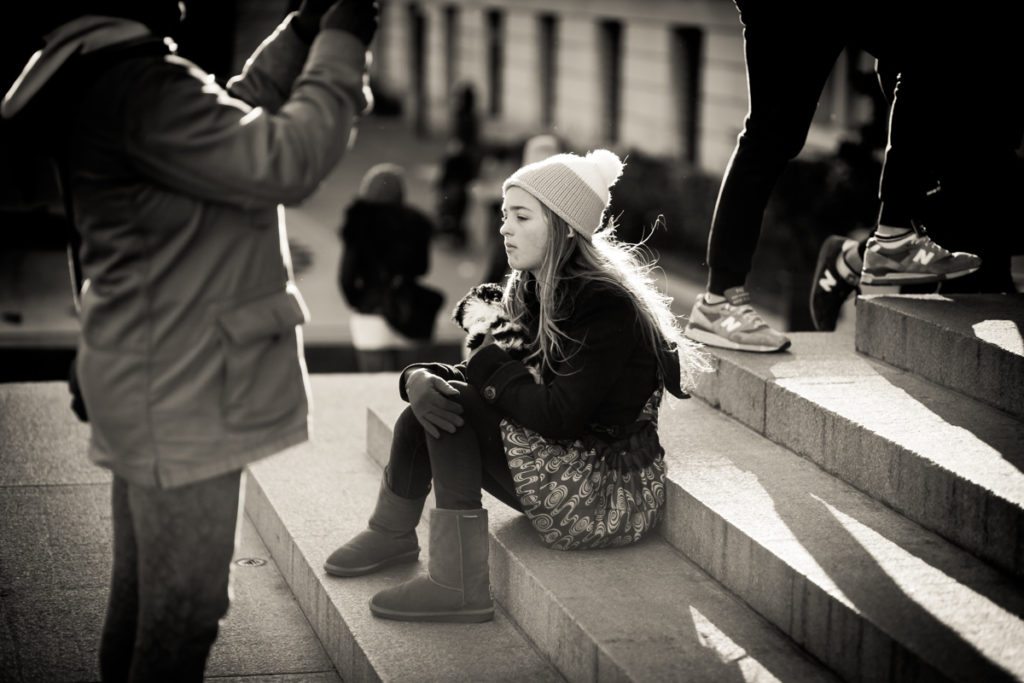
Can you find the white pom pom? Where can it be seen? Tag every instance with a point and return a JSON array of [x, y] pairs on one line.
[[608, 165]]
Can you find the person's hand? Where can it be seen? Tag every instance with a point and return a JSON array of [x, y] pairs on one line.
[[429, 399], [307, 21], [358, 17]]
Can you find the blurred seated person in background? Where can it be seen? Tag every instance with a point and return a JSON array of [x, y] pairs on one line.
[[385, 247]]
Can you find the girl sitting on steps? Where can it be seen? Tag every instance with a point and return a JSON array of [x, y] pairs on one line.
[[577, 451]]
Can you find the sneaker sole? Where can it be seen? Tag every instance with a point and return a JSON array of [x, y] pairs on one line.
[[346, 572], [912, 278], [712, 339], [474, 616]]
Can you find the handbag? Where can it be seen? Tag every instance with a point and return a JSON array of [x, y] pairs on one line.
[[604, 489], [411, 309]]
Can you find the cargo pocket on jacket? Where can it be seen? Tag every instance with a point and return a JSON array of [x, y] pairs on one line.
[[263, 378]]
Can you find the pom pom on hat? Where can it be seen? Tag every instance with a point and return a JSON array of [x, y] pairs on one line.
[[608, 164], [576, 188]]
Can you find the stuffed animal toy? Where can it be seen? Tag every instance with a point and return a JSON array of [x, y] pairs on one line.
[[481, 312]]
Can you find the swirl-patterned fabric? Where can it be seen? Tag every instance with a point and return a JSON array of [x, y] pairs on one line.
[[590, 492]]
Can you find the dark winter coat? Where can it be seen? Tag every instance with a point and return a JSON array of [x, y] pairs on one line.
[[605, 383], [189, 359]]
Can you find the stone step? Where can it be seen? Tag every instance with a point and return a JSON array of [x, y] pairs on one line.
[[949, 462], [868, 592], [642, 613], [973, 343], [307, 501]]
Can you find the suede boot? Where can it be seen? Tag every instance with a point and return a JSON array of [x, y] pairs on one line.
[[457, 585], [389, 539]]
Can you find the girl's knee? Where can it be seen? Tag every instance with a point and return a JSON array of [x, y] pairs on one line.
[[407, 420]]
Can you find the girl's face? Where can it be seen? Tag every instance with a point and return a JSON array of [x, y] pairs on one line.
[[524, 229]]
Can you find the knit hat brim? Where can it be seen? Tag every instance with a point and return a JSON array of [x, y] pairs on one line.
[[574, 188]]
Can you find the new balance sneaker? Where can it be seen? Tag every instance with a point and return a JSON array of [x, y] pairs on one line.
[[918, 261], [733, 324], [833, 283]]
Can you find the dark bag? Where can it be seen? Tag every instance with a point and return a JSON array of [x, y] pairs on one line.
[[411, 309]]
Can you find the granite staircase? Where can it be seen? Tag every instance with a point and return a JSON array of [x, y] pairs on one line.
[[834, 513]]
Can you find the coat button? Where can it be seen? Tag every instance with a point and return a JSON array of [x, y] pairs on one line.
[[490, 393]]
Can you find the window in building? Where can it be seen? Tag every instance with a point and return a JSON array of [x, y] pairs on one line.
[[611, 78], [495, 60], [687, 45], [451, 46], [548, 66]]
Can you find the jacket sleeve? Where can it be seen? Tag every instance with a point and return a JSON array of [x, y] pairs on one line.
[[183, 131], [269, 73], [563, 407], [449, 373]]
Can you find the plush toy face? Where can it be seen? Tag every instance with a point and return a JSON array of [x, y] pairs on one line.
[[524, 229], [481, 312], [480, 309]]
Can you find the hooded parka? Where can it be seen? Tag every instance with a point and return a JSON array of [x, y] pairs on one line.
[[190, 357]]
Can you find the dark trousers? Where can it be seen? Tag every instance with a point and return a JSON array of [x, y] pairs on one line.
[[460, 464], [169, 586], [787, 67], [951, 162], [790, 48]]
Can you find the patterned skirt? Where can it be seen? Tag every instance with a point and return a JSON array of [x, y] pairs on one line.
[[604, 489]]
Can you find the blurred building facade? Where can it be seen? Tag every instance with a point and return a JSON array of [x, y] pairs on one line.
[[665, 77]]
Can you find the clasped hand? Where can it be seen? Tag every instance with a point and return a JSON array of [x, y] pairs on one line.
[[430, 400]]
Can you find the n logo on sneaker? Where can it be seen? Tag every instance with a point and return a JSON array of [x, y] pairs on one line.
[[923, 257], [731, 324], [827, 282]]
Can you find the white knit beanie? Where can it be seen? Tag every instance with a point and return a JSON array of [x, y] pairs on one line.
[[576, 188]]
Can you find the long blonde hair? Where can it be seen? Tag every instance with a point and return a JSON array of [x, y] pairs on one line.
[[572, 259]]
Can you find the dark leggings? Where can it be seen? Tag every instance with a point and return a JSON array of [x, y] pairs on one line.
[[460, 464], [169, 587]]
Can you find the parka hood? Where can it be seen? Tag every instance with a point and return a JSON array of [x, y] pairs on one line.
[[80, 36]]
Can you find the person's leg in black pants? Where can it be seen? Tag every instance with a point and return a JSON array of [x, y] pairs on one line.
[[121, 623], [173, 551], [460, 464], [787, 67]]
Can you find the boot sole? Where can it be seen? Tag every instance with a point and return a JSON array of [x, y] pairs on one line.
[[347, 572], [475, 616], [712, 339], [912, 278]]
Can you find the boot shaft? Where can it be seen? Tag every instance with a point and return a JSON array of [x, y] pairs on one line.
[[393, 514], [459, 553]]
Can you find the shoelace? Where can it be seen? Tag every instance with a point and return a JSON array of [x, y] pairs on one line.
[[925, 242], [747, 310]]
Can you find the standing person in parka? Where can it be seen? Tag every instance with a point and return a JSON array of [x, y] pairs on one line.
[[189, 359], [606, 344]]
